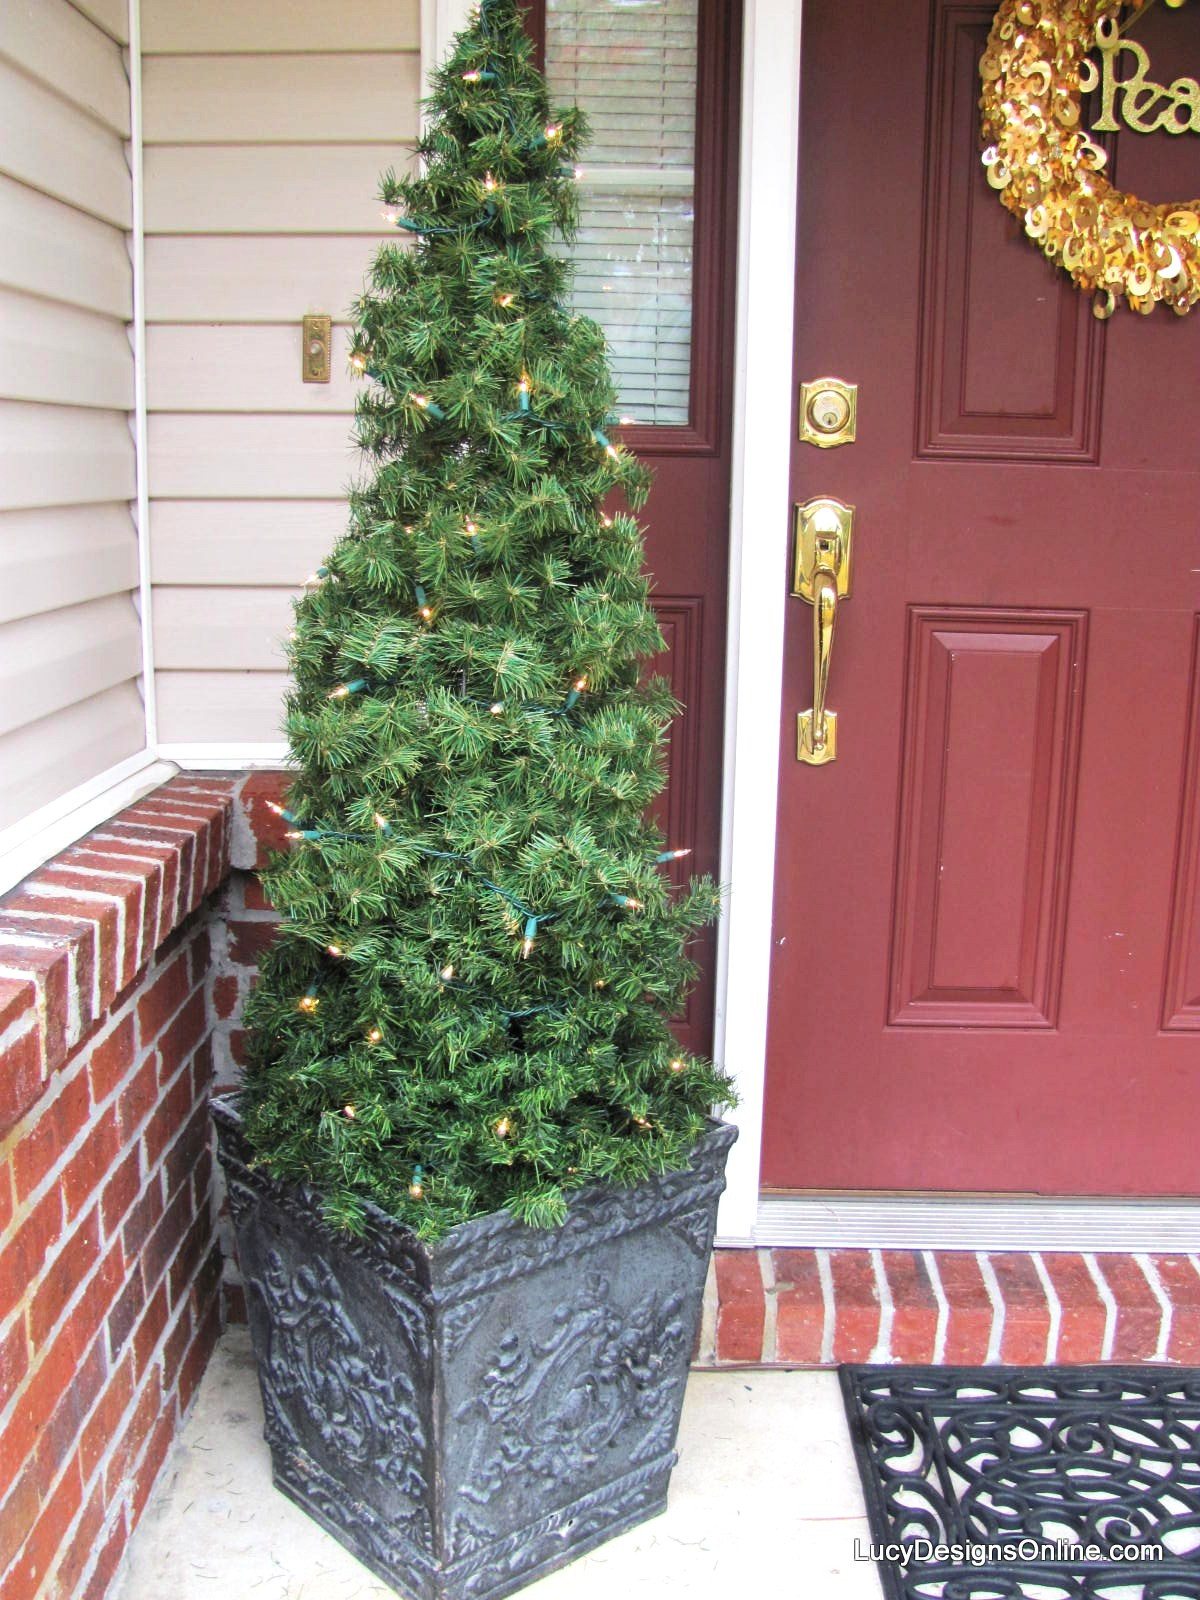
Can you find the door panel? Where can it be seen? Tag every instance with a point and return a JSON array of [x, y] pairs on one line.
[[986, 955], [992, 701], [1181, 1005], [981, 289]]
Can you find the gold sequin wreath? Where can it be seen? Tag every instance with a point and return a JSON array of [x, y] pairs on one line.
[[1049, 172]]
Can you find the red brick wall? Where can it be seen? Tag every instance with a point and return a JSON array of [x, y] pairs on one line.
[[109, 1263]]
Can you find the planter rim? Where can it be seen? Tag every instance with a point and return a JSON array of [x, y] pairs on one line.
[[718, 1138]]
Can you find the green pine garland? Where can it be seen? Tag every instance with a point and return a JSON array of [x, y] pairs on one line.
[[467, 1005]]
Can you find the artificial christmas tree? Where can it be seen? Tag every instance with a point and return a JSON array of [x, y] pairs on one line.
[[462, 1079], [466, 1005]]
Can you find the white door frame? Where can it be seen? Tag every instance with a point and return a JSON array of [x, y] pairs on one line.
[[766, 290]]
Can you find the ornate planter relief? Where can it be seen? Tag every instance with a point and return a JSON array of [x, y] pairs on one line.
[[556, 1359]]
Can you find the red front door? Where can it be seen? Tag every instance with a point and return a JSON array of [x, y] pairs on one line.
[[986, 968]]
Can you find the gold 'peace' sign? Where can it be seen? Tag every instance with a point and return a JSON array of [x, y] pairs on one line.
[[1050, 172]]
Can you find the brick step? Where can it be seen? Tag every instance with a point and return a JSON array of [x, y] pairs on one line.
[[774, 1308]]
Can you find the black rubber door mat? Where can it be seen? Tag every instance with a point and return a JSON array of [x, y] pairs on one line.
[[1030, 1483]]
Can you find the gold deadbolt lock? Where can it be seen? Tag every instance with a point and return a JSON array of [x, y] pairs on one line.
[[828, 412]]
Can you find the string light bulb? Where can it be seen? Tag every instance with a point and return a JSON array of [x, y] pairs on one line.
[[496, 707], [415, 1189], [375, 1035], [333, 949], [424, 403], [677, 1066], [523, 392], [553, 131], [358, 362], [489, 183], [627, 901], [502, 1128], [505, 300], [447, 973], [382, 823], [672, 855], [350, 1112], [309, 1003]]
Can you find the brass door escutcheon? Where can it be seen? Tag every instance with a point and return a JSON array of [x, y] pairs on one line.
[[821, 575], [828, 412]]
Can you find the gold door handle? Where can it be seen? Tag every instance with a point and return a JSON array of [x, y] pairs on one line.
[[816, 733], [822, 577]]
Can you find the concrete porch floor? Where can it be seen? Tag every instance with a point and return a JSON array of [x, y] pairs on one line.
[[766, 1493]]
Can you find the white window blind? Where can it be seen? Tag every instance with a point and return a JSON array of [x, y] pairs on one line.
[[632, 68]]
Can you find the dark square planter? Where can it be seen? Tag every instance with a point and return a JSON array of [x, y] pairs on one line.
[[467, 1416]]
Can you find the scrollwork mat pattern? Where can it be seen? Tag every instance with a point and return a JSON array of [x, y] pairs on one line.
[[1061, 1456]]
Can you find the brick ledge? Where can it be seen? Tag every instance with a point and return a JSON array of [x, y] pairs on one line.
[[76, 933], [788, 1308]]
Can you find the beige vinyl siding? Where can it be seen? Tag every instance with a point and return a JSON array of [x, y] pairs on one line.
[[70, 641], [266, 128]]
